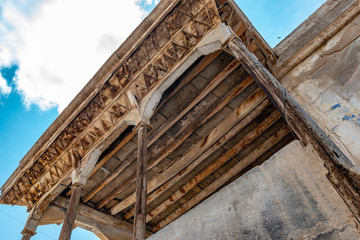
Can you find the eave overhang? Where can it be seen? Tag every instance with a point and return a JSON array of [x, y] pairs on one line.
[[159, 46]]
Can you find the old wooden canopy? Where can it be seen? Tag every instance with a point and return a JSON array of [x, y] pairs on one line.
[[173, 116]]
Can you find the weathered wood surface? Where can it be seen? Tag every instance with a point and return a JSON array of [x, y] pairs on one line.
[[237, 115], [342, 173], [183, 135], [97, 216], [71, 212], [247, 139], [166, 126], [141, 185], [144, 67], [219, 143], [27, 234], [214, 186]]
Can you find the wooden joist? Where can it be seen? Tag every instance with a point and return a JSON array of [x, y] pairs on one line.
[[200, 147], [247, 139], [166, 150], [344, 175], [163, 128], [218, 183], [230, 134]]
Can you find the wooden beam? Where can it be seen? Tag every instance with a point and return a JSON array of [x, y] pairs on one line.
[[200, 147], [211, 111], [213, 84], [214, 186], [167, 125], [233, 151], [228, 135], [98, 216], [344, 175], [140, 204], [195, 71], [116, 172]]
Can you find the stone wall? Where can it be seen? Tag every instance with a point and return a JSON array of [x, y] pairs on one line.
[[287, 197], [327, 85]]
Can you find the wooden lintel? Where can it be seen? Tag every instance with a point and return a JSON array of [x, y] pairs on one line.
[[343, 174]]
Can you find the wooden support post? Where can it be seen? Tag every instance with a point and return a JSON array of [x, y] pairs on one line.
[[34, 219], [343, 174], [71, 211], [141, 186], [79, 179]]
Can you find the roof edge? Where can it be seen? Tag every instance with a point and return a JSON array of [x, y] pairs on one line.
[[92, 87]]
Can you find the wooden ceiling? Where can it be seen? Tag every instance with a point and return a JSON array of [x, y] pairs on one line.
[[211, 126]]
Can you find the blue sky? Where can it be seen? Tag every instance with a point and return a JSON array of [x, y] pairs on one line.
[[40, 74]]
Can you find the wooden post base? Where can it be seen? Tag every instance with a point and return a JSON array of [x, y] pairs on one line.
[[27, 234]]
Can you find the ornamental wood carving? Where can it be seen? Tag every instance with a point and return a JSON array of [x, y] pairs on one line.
[[159, 53]]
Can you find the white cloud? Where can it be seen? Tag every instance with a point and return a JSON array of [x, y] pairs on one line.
[[4, 88], [60, 44]]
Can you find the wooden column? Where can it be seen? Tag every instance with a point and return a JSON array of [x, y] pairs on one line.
[[33, 220], [141, 186], [27, 234], [342, 173], [71, 212]]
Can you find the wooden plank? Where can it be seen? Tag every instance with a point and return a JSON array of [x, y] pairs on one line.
[[116, 172], [181, 138], [110, 154], [215, 82], [214, 186], [229, 135], [140, 204], [245, 141], [343, 174], [195, 71], [237, 115]]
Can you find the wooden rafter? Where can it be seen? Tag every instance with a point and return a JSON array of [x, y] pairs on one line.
[[218, 183], [247, 139], [237, 115], [166, 150], [166, 126], [228, 135]]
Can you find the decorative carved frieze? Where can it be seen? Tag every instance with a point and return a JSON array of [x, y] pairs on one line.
[[160, 52]]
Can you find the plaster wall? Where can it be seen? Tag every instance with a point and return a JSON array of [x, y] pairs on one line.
[[327, 85], [287, 197]]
